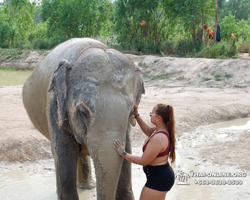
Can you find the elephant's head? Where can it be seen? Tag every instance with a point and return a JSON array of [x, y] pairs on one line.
[[100, 87]]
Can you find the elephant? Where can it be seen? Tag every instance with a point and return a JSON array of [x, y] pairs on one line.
[[81, 97]]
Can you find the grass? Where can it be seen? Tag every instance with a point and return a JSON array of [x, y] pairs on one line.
[[239, 86], [13, 69], [10, 54], [228, 75], [10, 69], [161, 76], [143, 65], [206, 79], [180, 78], [217, 77], [244, 48]]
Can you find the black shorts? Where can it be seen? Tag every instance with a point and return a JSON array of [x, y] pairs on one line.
[[160, 177]]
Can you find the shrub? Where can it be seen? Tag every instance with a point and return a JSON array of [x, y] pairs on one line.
[[217, 77], [54, 41], [146, 48], [41, 44], [188, 47], [206, 79], [168, 47], [217, 50], [244, 48]]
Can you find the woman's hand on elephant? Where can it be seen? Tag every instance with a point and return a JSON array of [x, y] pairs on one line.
[[135, 110], [119, 147]]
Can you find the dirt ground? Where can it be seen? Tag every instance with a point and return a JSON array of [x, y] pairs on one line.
[[202, 92]]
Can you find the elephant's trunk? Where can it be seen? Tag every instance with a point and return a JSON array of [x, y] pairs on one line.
[[107, 163]]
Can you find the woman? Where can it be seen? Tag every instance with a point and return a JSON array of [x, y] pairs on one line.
[[158, 148]]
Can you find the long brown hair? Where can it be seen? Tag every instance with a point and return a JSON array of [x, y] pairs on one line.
[[167, 114]]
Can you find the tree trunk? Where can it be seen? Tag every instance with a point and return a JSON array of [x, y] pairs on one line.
[[202, 24], [216, 20], [194, 31]]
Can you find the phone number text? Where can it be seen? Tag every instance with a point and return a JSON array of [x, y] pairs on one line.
[[218, 182]]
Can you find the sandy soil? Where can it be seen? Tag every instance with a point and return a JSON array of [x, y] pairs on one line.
[[190, 85]]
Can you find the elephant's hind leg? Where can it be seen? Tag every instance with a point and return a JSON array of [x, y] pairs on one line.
[[84, 172]]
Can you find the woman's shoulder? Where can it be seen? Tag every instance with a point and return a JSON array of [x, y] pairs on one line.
[[160, 135]]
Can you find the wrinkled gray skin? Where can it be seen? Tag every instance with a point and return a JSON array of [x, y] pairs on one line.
[[81, 98]]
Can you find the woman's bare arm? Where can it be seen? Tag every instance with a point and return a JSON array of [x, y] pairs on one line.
[[144, 126]]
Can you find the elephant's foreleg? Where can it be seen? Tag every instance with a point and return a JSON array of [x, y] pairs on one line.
[[65, 155], [84, 175], [124, 188]]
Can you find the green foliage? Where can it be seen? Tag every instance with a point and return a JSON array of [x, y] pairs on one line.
[[188, 47], [193, 13], [19, 15], [7, 30], [41, 44], [233, 49], [180, 78], [206, 79], [74, 18], [56, 39], [143, 65], [218, 50], [37, 17], [228, 75], [10, 54], [168, 47], [173, 27], [243, 27], [239, 8], [161, 76], [217, 77], [239, 86], [40, 32], [129, 14], [8, 69], [244, 48], [228, 26]]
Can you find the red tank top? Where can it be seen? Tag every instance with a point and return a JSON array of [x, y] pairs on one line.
[[164, 152]]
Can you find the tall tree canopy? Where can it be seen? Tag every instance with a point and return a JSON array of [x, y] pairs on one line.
[[18, 14], [75, 18], [130, 13]]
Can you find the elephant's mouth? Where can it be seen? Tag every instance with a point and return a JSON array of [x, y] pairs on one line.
[[83, 150]]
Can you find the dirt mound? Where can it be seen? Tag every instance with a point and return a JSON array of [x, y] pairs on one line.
[[31, 148], [28, 60], [197, 72], [19, 140]]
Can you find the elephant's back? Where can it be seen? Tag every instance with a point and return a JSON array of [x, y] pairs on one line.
[[36, 86]]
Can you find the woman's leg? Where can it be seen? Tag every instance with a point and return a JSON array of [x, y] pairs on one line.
[[149, 194]]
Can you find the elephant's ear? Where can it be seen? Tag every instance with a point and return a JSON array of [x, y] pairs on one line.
[[59, 85], [138, 91]]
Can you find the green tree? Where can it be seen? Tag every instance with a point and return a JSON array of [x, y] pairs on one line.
[[243, 27], [37, 17], [228, 26], [7, 30], [128, 16], [194, 14], [20, 14], [75, 18], [239, 8]]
